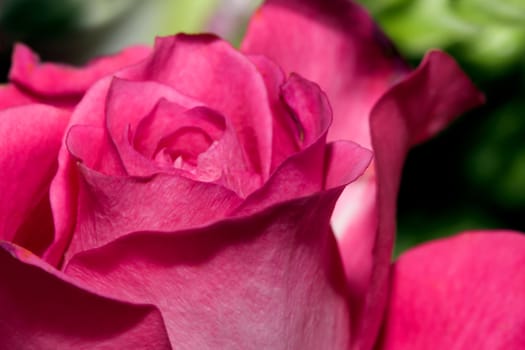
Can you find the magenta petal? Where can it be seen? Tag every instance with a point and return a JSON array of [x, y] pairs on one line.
[[335, 44], [465, 292], [30, 138], [448, 92], [300, 174], [268, 281], [167, 118], [41, 78], [354, 222], [208, 69], [285, 132], [408, 112], [339, 173], [223, 162], [90, 113], [298, 177], [123, 115], [110, 207], [11, 96], [43, 309], [308, 107]]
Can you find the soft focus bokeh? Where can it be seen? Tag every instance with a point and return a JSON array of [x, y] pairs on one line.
[[471, 176]]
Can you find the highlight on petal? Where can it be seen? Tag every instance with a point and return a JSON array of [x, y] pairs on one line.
[[44, 309], [464, 292], [30, 138], [335, 44], [269, 280], [41, 78]]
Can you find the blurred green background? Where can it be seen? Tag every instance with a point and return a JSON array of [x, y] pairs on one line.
[[471, 176]]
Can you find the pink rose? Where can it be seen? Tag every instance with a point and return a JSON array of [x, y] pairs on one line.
[[192, 200]]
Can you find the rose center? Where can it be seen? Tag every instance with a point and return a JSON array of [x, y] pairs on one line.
[[174, 136]]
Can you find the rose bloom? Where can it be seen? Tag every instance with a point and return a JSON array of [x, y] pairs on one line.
[[192, 196]]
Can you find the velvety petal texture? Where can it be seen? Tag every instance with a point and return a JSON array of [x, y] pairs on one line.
[[465, 292], [30, 138], [43, 309], [270, 280]]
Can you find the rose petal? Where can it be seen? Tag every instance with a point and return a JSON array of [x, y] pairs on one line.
[[30, 137], [36, 232], [286, 130], [465, 292], [110, 207], [301, 174], [223, 162], [123, 114], [168, 118], [355, 223], [335, 44], [11, 96], [267, 281], [426, 98], [208, 69], [41, 78], [297, 177], [64, 187], [309, 108], [43, 309], [339, 173]]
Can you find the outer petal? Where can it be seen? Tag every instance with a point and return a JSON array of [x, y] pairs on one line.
[[417, 106], [41, 79], [11, 96], [272, 280], [465, 292], [64, 187], [335, 44], [112, 206], [42, 309], [30, 137]]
